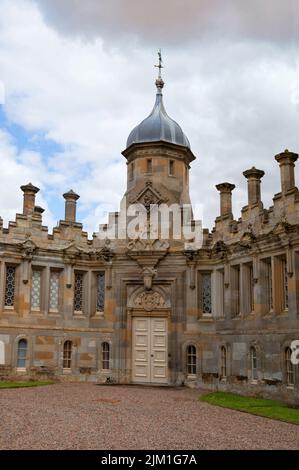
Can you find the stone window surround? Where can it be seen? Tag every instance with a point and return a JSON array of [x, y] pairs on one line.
[[3, 264], [22, 370], [219, 292], [89, 292], [97, 310], [67, 354], [200, 292], [171, 168], [285, 368], [42, 270], [84, 299], [187, 355], [253, 355], [59, 271], [267, 260], [105, 356], [45, 288], [277, 282], [228, 349]]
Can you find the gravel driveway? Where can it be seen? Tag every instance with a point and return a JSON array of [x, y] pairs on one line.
[[87, 416]]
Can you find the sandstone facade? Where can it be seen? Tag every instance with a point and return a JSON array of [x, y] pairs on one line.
[[149, 310]]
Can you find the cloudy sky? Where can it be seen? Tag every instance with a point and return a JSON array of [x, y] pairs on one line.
[[76, 76]]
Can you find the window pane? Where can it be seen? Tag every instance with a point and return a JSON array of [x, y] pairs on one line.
[[105, 355], [285, 285], [206, 293], [78, 293], [10, 286], [35, 289], [191, 359], [22, 353], [100, 292], [67, 354], [54, 290], [253, 358], [223, 362], [290, 372]]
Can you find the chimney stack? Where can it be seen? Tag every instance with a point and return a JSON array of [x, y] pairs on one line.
[[225, 190], [70, 205], [29, 198], [286, 162], [254, 177]]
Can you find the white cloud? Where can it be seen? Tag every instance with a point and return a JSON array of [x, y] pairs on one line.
[[233, 97], [174, 21], [19, 168]]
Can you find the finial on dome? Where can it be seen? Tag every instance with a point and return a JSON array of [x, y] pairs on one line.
[[159, 81]]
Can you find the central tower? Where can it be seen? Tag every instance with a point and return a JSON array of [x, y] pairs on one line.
[[158, 157]]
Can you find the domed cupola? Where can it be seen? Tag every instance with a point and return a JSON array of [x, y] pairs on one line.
[[158, 126]]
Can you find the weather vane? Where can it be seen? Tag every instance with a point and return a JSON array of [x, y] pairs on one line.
[[160, 66]]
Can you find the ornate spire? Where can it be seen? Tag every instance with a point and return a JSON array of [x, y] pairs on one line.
[[159, 81]]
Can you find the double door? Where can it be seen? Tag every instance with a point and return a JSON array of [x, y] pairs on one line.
[[149, 350]]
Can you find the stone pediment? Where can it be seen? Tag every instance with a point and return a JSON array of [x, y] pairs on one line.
[[282, 228], [74, 249], [28, 246], [148, 196], [247, 239], [220, 249]]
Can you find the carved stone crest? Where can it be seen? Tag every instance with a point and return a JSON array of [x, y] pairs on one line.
[[149, 301]]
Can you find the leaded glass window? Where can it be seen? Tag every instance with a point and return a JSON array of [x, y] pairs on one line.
[[22, 353], [223, 368], [35, 289], [206, 293], [106, 356], [269, 296], [253, 360], [10, 286], [191, 360], [285, 285], [54, 290], [290, 371], [236, 289], [251, 288], [78, 292], [67, 355], [100, 292]]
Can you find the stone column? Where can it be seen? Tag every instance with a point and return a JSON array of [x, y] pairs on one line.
[[29, 198], [70, 205], [225, 190], [254, 185], [286, 162]]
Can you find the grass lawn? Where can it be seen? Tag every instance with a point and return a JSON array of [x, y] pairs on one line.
[[256, 406], [24, 384]]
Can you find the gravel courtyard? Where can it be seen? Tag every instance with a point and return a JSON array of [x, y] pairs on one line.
[[87, 416]]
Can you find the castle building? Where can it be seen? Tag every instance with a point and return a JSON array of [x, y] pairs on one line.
[[147, 310]]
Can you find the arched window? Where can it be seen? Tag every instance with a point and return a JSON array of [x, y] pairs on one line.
[[223, 366], [253, 363], [290, 371], [67, 354], [22, 353], [105, 356], [191, 359]]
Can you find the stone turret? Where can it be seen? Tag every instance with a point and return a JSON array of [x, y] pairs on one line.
[[254, 176], [286, 162], [225, 190], [70, 206], [29, 198]]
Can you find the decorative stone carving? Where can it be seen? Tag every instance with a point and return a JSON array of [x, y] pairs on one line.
[[149, 301], [147, 245], [148, 274]]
